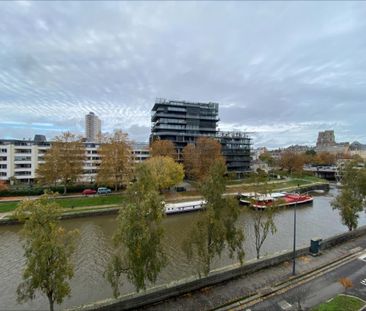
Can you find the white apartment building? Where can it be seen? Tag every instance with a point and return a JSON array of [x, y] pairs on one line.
[[92, 127], [19, 159]]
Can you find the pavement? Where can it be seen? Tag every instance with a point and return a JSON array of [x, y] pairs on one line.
[[316, 280]]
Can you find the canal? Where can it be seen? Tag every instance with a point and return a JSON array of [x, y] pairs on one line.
[[94, 249]]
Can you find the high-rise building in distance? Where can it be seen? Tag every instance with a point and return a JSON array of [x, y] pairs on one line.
[[92, 127]]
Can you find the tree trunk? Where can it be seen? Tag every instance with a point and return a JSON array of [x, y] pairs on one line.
[[65, 189], [51, 302]]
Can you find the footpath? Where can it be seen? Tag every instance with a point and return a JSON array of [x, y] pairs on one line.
[[257, 284], [233, 288]]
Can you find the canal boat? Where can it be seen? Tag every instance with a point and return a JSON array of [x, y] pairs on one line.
[[183, 207], [278, 199]]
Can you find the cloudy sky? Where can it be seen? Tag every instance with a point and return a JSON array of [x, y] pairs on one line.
[[281, 70]]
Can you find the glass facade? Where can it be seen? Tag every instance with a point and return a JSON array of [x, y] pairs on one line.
[[183, 122]]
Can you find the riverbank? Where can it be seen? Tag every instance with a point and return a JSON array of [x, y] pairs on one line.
[[226, 287], [103, 205]]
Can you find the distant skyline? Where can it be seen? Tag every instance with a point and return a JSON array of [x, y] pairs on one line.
[[283, 70]]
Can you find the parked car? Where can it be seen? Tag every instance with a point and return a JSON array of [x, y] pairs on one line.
[[104, 190], [88, 191]]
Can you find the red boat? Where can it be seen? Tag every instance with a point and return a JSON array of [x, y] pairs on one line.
[[278, 199]]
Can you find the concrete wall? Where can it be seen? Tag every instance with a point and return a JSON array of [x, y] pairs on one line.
[[69, 215], [185, 286]]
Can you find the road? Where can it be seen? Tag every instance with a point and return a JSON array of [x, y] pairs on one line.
[[319, 289]]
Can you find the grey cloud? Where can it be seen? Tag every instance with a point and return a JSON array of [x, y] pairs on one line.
[[266, 63]]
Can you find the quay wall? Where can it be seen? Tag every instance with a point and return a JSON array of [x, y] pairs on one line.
[[69, 215], [182, 287]]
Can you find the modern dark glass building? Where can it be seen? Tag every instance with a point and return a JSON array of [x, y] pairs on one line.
[[235, 147], [183, 122]]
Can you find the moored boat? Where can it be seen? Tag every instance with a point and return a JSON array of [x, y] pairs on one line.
[[277, 199], [183, 207]]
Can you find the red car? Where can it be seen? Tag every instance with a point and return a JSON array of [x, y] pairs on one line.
[[89, 191]]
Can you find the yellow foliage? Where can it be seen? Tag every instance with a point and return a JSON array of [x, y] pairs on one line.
[[165, 171]]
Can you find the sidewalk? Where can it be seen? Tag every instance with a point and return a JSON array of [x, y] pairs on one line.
[[215, 296]]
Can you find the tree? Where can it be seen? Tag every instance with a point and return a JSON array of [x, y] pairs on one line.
[[350, 201], [3, 186], [164, 148], [346, 283], [262, 219], [263, 224], [138, 239], [325, 158], [310, 156], [349, 207], [198, 158], [48, 248], [165, 171], [357, 158], [266, 157], [116, 166], [292, 162], [63, 161], [215, 228], [300, 295]]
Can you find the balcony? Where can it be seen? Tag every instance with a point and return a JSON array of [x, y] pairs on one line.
[[22, 173], [22, 159], [23, 151], [158, 115]]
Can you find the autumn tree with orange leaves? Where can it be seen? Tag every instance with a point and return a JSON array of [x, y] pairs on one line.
[[3, 185], [163, 148], [199, 157], [292, 162]]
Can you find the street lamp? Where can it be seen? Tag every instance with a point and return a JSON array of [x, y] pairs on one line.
[[294, 249]]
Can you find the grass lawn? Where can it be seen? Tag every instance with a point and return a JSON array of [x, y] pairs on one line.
[[341, 302], [73, 202], [181, 196], [276, 186]]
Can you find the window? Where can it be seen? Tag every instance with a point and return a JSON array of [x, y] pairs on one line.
[[23, 151], [22, 158]]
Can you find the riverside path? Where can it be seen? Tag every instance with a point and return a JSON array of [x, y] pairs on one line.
[[315, 281]]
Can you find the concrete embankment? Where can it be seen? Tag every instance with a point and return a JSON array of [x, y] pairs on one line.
[[68, 215], [226, 276], [6, 219]]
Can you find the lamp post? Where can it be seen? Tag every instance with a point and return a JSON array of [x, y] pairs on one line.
[[294, 249]]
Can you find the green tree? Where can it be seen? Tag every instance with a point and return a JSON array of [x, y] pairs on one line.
[[215, 228], [48, 248], [63, 161], [351, 199], [165, 171], [266, 157], [138, 239], [116, 166]]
